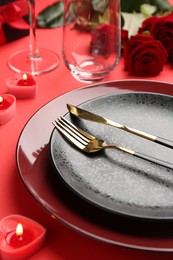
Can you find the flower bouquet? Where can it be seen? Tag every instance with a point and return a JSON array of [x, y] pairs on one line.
[[147, 39], [146, 36]]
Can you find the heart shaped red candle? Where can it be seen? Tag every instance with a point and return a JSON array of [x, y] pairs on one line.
[[20, 237], [22, 85], [7, 108]]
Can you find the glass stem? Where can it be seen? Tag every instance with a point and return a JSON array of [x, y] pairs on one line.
[[33, 46]]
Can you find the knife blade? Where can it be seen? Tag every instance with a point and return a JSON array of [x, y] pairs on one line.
[[84, 114]]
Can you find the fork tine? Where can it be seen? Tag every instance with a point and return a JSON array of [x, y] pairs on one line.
[[79, 131], [68, 136], [70, 132], [73, 129]]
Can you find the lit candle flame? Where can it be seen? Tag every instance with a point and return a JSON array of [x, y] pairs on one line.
[[1, 100], [19, 230], [25, 77]]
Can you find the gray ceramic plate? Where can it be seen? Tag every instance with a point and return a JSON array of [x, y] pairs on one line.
[[113, 180]]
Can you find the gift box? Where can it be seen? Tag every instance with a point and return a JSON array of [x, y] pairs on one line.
[[14, 21]]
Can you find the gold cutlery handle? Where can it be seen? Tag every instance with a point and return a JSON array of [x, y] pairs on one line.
[[84, 114]]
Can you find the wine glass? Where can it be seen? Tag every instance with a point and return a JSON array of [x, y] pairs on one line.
[[93, 30], [34, 60]]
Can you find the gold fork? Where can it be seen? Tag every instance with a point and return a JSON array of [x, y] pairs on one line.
[[90, 144]]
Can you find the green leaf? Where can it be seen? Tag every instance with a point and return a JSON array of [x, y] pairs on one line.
[[105, 18], [70, 13], [130, 6], [162, 5], [52, 16], [134, 5], [100, 6]]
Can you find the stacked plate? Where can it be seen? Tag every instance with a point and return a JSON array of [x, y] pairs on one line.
[[109, 195]]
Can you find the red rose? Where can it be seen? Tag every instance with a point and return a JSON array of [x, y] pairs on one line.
[[103, 40], [171, 56], [147, 23], [144, 56], [161, 28]]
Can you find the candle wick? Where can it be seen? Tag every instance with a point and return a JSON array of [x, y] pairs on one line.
[[20, 237]]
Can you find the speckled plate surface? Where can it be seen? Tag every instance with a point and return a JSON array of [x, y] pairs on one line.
[[111, 179]]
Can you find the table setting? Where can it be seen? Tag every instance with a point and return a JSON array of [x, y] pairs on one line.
[[64, 194]]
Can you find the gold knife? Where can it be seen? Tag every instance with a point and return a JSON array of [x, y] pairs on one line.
[[84, 114]]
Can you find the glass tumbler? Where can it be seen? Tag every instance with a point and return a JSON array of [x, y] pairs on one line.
[[91, 38]]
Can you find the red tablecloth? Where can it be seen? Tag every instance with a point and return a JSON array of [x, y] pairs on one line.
[[61, 242]]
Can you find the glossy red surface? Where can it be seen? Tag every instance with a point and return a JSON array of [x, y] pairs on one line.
[[62, 242]]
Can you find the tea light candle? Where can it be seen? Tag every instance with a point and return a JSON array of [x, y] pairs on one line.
[[7, 108], [22, 85], [21, 237]]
